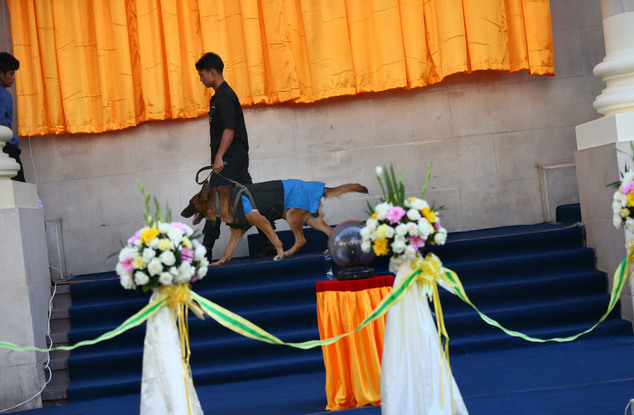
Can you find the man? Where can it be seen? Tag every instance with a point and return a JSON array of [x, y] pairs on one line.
[[228, 139], [8, 66]]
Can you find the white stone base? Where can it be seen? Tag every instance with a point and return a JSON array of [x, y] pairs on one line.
[[25, 293], [598, 164]]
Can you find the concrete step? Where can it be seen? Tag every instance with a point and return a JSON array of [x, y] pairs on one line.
[[55, 392]]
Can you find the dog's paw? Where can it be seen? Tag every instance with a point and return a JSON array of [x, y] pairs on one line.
[[217, 263], [279, 257]]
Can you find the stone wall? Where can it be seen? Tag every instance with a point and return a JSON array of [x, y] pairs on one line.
[[488, 134]]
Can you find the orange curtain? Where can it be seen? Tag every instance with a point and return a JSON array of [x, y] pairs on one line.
[[89, 66]]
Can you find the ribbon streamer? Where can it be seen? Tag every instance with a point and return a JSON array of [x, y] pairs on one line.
[[445, 278]]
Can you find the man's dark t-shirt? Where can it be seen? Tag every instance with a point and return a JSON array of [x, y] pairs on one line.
[[225, 112]]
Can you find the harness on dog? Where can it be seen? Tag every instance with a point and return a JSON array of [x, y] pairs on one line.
[[269, 197], [242, 189]]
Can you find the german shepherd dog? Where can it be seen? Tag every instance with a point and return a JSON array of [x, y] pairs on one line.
[[216, 204]]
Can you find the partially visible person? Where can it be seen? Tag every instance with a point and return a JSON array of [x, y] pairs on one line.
[[8, 66], [228, 139]]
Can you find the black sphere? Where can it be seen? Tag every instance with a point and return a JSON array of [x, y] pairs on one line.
[[344, 245]]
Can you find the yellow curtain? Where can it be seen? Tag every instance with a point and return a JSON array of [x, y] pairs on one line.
[[89, 66]]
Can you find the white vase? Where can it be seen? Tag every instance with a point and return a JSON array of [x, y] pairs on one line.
[[166, 387], [415, 377]]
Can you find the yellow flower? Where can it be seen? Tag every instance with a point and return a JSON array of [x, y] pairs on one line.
[[427, 213], [373, 215], [380, 247], [630, 198], [138, 262], [187, 243], [149, 234], [164, 244], [625, 213]]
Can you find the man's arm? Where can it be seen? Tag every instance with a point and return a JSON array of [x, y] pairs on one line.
[[225, 142]]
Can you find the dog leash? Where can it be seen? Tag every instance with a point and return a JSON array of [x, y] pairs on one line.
[[243, 189]]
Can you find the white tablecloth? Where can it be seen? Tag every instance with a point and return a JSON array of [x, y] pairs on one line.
[[414, 376], [163, 390]]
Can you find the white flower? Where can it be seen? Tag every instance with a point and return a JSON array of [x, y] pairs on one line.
[[419, 204], [174, 271], [410, 252], [412, 228], [371, 224], [200, 251], [141, 278], [628, 176], [629, 224], [365, 233], [185, 273], [413, 214], [155, 267], [379, 171], [127, 283], [120, 271], [154, 243], [166, 278], [148, 254], [424, 228], [616, 208], [616, 220], [203, 262], [401, 229], [366, 245], [618, 196], [202, 272], [398, 246], [440, 237], [164, 227], [168, 258], [175, 236], [381, 210]]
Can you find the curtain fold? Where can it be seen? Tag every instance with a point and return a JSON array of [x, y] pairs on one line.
[[89, 66]]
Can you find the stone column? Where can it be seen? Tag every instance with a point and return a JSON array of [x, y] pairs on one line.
[[26, 286], [597, 161]]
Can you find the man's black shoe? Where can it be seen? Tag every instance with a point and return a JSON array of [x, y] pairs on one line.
[[267, 251]]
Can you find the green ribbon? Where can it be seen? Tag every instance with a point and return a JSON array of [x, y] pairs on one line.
[[244, 327]]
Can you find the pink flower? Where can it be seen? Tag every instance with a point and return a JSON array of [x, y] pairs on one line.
[[134, 237], [181, 227], [395, 214], [628, 187], [437, 225], [187, 255], [127, 265], [194, 278], [416, 242]]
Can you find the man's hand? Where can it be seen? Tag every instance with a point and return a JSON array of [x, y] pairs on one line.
[[219, 164]]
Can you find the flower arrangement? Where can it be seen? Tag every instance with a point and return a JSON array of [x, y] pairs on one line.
[[623, 199], [162, 253], [401, 226]]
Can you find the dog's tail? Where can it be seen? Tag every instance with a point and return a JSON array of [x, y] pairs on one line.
[[332, 192]]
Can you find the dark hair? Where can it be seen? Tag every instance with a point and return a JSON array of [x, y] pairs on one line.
[[210, 61], [8, 62]]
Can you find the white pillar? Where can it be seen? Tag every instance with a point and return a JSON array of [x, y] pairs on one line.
[[617, 68], [26, 286], [598, 164]]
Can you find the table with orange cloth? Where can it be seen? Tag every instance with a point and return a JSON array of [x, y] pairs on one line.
[[353, 364]]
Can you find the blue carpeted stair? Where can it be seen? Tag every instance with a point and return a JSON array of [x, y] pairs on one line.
[[538, 279]]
